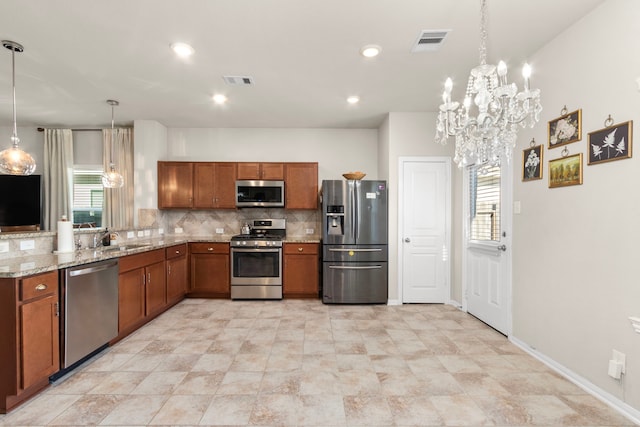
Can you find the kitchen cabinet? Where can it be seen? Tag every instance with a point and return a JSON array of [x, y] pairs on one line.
[[266, 171], [176, 257], [141, 289], [175, 185], [210, 274], [214, 185], [301, 270], [301, 185], [29, 336]]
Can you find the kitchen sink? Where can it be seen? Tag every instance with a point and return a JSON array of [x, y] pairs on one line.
[[126, 247]]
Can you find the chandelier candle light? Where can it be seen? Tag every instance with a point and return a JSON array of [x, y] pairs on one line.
[[13, 160], [485, 125], [112, 178]]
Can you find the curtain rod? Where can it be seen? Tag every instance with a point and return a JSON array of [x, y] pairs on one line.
[[76, 130]]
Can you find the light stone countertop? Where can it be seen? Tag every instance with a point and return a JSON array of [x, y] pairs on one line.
[[34, 264]]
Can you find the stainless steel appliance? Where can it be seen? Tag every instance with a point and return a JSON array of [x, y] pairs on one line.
[[256, 261], [354, 242], [259, 194], [90, 309]]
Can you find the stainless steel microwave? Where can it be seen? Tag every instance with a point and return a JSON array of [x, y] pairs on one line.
[[259, 193]]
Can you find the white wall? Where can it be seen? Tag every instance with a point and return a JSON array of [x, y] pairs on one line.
[[576, 275], [149, 145], [412, 134]]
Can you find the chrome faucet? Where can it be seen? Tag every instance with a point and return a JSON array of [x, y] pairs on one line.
[[99, 238]]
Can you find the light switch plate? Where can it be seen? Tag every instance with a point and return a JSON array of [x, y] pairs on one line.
[[140, 233], [516, 207], [219, 230], [25, 245], [309, 230], [147, 233], [161, 231], [179, 230], [130, 235], [4, 247]]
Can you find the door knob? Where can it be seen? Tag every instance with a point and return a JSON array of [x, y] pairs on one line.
[[502, 248], [406, 239]]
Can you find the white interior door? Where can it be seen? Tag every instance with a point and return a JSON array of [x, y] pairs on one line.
[[487, 260], [425, 218]]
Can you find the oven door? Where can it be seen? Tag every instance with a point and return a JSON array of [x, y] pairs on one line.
[[257, 266]]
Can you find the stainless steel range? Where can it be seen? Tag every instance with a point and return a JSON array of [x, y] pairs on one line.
[[256, 260]]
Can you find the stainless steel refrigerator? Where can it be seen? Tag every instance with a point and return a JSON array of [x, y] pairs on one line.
[[354, 242]]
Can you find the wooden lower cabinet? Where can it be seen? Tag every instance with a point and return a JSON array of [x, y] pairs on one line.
[[177, 273], [210, 273], [301, 270], [155, 288], [29, 336]]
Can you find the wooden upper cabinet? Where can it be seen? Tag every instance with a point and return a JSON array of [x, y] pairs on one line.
[[175, 185], [266, 171], [301, 185], [214, 185]]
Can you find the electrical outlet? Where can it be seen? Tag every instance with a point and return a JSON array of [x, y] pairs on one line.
[[620, 358], [130, 235], [309, 230], [140, 233], [178, 230], [4, 247], [25, 245], [219, 230], [161, 231]]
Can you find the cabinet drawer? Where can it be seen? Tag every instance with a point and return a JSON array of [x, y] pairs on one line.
[[39, 285], [301, 248], [176, 251], [143, 259], [209, 248]]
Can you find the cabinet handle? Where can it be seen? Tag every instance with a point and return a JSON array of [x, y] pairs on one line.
[[178, 252], [57, 309], [148, 278], [169, 269], [41, 287], [210, 249], [300, 249]]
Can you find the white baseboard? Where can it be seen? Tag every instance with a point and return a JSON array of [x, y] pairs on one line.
[[394, 302], [454, 303], [623, 408]]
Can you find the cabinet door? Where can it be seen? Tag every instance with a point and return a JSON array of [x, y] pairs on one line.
[[272, 171], [301, 186], [155, 288], [210, 273], [39, 326], [175, 185], [247, 170], [225, 185], [301, 270], [204, 188], [131, 298], [176, 278]]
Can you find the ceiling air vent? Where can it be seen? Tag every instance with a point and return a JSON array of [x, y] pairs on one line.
[[429, 40], [238, 80]]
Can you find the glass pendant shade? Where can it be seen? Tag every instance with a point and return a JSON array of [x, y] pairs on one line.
[[13, 160], [112, 178]]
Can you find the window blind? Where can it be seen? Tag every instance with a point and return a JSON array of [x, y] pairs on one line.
[[484, 203]]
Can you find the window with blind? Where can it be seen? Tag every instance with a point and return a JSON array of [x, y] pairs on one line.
[[484, 204], [87, 196]]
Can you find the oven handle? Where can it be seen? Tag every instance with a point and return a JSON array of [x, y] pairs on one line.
[[356, 250], [346, 267], [255, 250]]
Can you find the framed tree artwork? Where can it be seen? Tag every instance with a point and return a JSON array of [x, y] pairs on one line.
[[610, 143], [565, 171]]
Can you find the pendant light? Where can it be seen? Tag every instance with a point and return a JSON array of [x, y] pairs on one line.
[[13, 160], [112, 178]]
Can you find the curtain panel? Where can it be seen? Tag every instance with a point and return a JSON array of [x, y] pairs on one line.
[[117, 209], [57, 179]]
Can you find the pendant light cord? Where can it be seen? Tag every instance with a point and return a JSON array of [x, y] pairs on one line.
[[14, 138]]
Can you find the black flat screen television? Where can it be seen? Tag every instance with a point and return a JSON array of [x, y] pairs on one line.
[[20, 200]]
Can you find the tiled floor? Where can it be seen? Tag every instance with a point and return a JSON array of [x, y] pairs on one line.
[[302, 363]]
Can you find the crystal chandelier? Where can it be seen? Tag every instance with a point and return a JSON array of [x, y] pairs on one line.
[[13, 160], [112, 178], [485, 125]]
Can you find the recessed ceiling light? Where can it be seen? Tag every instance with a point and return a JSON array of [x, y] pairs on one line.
[[370, 50], [353, 99], [219, 98], [183, 50]]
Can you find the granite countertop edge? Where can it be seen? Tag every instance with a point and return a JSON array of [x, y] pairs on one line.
[[34, 264]]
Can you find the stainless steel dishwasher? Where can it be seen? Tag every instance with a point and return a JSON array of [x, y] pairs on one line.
[[90, 312]]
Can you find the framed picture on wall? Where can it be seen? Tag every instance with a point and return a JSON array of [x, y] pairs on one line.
[[610, 143], [532, 163], [565, 129], [565, 171]]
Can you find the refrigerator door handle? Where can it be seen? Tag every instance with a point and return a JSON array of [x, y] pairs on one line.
[[356, 250], [356, 211], [355, 267]]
